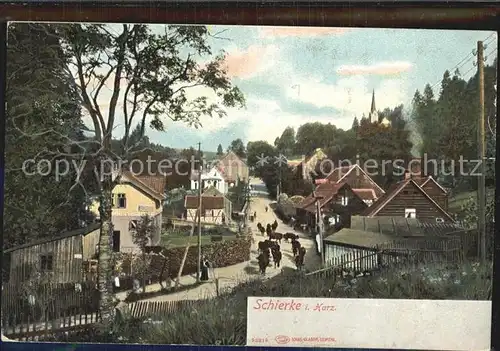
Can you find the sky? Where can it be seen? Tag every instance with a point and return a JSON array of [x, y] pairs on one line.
[[295, 75]]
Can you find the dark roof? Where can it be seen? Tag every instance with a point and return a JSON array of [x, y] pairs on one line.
[[400, 226], [365, 194], [340, 172], [358, 238], [394, 190], [207, 202], [75, 232], [155, 185]]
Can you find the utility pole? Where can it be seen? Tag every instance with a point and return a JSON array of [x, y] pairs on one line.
[[481, 191], [279, 184], [319, 225], [200, 169]]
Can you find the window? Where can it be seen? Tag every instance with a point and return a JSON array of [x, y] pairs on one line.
[[410, 213], [47, 262], [439, 220], [196, 185], [121, 201], [345, 200]]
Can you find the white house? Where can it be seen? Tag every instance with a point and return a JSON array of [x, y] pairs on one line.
[[212, 177]]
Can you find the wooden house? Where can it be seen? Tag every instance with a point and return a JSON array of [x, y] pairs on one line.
[[357, 179], [233, 169], [434, 190], [304, 167], [61, 257], [336, 201], [407, 199], [215, 207], [134, 197]]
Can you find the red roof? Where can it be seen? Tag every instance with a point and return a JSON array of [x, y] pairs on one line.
[[207, 202], [325, 192]]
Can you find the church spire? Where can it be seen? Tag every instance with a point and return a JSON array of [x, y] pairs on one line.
[[373, 108]]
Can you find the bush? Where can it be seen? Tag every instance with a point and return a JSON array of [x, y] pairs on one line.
[[222, 321]]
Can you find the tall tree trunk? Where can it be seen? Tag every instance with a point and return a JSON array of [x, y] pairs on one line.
[[105, 264], [181, 268]]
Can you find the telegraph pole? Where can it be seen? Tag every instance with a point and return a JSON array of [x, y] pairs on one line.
[[481, 191], [319, 225], [200, 169]]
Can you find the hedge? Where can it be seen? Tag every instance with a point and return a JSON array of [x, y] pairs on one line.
[[220, 254]]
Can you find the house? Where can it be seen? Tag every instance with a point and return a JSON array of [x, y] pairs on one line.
[[233, 169], [303, 168], [424, 176], [210, 177], [215, 207], [62, 256], [357, 179], [407, 199], [336, 200], [134, 197]]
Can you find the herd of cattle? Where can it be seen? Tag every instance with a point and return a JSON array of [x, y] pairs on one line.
[[270, 248]]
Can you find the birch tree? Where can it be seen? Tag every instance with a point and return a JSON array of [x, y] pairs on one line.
[[136, 74]]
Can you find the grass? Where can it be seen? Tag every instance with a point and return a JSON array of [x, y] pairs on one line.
[[222, 321]]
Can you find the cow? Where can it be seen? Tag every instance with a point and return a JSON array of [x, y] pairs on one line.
[[265, 245], [290, 236], [299, 259], [295, 247], [278, 237], [263, 262], [276, 257], [274, 226]]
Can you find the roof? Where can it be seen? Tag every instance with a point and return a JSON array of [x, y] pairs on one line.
[[339, 173], [358, 238], [431, 179], [152, 185], [326, 191], [400, 226], [80, 231], [211, 191], [394, 190], [232, 167], [365, 194], [208, 202]]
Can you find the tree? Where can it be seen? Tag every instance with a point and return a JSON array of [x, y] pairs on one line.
[[355, 124], [238, 148], [285, 144], [149, 74], [257, 151], [42, 112], [311, 136], [220, 151], [142, 236]]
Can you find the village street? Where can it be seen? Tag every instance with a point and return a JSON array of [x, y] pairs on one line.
[[231, 276]]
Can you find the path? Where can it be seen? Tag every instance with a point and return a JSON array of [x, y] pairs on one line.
[[231, 276]]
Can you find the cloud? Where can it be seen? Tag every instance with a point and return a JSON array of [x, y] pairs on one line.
[[280, 32], [351, 96], [381, 69], [250, 62]]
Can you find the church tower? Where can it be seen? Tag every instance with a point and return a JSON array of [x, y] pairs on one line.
[[373, 115]]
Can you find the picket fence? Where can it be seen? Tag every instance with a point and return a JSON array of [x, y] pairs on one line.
[[37, 314], [141, 309]]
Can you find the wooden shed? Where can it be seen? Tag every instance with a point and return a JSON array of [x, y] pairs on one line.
[[62, 257]]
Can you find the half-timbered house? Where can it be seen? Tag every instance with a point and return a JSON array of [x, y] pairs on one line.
[[61, 257], [215, 207]]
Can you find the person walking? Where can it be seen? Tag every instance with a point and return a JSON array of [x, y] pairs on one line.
[[204, 269]]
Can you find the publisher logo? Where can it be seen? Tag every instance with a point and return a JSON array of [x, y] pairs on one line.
[[282, 339]]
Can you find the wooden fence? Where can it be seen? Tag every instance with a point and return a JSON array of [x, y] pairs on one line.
[[34, 314], [143, 309], [405, 252]]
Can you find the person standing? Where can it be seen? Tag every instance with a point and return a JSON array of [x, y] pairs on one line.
[[204, 269]]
